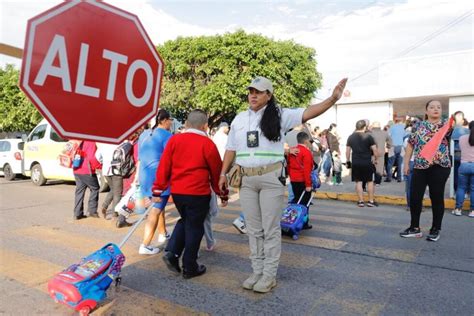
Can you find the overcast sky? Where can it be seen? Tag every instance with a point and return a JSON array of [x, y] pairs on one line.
[[350, 36]]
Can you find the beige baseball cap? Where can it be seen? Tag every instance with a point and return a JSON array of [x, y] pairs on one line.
[[261, 84]]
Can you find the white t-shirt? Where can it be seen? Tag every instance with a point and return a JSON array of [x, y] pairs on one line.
[[220, 139], [104, 154]]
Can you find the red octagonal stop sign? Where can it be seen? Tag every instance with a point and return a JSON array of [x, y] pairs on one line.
[[91, 70]]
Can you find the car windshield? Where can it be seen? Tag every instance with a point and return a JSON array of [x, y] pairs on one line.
[[55, 137], [38, 133]]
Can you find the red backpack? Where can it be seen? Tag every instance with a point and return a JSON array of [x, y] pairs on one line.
[[71, 149]]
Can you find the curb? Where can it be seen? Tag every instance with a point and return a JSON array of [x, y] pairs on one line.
[[383, 199], [449, 204]]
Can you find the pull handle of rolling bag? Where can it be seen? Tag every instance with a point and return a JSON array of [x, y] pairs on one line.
[[135, 226], [301, 197]]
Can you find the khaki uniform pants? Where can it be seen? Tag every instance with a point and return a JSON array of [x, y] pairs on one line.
[[261, 198]]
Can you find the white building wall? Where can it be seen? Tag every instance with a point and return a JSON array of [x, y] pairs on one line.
[[349, 114], [450, 73], [439, 74], [324, 120], [462, 103]]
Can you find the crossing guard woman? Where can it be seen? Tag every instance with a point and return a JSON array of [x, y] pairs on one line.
[[256, 142]]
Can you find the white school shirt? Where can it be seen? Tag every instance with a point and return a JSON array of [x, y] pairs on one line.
[[104, 154], [267, 152]]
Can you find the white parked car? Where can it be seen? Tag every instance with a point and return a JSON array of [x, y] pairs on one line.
[[40, 157], [10, 158]]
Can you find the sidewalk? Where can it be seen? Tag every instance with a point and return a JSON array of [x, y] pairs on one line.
[[392, 193]]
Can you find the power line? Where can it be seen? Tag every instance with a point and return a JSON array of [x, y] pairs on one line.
[[424, 40], [458, 20]]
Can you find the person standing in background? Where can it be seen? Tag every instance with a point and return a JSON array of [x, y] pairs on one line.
[[396, 133], [466, 172], [383, 141], [86, 177], [220, 138], [433, 174], [151, 144], [459, 130], [364, 152], [104, 154]]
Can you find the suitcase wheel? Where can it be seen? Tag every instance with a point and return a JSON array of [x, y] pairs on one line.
[[295, 237], [85, 310]]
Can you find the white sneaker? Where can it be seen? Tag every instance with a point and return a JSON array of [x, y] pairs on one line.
[[239, 224], [471, 214], [148, 250], [162, 238], [265, 284], [456, 212]]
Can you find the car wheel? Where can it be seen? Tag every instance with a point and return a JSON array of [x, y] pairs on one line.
[[103, 185], [8, 173], [37, 175]]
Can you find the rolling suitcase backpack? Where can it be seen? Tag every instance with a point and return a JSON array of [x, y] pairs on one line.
[[293, 218], [83, 285]]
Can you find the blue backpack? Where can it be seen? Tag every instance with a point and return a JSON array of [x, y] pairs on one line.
[[315, 181]]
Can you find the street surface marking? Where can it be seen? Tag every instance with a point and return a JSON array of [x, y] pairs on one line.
[[171, 217], [316, 217], [216, 277], [32, 272], [398, 254], [35, 273], [126, 301], [344, 306], [315, 242], [348, 220], [339, 230], [288, 258], [317, 227], [303, 240], [226, 228], [379, 212], [69, 240]]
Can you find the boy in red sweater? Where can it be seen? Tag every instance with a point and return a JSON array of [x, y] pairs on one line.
[[300, 167], [190, 165]]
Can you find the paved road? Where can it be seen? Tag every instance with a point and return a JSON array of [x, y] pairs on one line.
[[351, 263]]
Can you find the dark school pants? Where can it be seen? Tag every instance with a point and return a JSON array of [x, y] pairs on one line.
[[435, 178], [189, 229], [115, 193], [298, 189], [84, 181]]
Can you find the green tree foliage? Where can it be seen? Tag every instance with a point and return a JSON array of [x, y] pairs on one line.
[[16, 111], [212, 72]]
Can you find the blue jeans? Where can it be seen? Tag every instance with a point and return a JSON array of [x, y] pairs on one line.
[[408, 182], [456, 165], [327, 163], [465, 181], [291, 195], [395, 159]]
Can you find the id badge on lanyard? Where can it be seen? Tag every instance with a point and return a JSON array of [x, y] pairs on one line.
[[252, 139]]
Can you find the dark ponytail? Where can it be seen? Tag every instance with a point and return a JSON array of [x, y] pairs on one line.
[[162, 115], [471, 133], [270, 124]]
